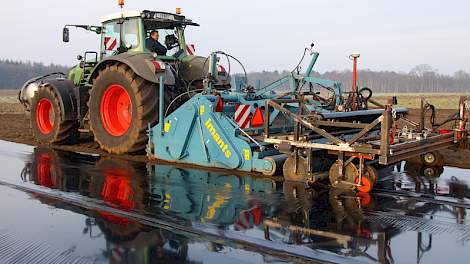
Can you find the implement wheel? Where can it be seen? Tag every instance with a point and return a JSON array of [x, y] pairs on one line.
[[432, 159], [351, 175], [350, 172], [121, 107], [47, 120], [290, 173]]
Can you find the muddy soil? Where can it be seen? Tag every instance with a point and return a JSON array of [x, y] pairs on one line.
[[16, 127]]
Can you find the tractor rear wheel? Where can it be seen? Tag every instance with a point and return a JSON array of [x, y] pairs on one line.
[[47, 120], [122, 105]]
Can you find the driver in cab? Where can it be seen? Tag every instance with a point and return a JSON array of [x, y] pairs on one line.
[[153, 45]]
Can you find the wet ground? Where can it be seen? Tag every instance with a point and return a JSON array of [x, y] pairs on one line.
[[67, 207]]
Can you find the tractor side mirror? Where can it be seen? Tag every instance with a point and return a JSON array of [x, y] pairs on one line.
[[65, 35]]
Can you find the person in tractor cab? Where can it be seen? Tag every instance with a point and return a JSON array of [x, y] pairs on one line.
[[153, 45]]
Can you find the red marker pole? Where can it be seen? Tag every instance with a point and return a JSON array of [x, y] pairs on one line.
[[354, 58]]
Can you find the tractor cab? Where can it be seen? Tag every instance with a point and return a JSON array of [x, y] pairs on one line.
[[128, 32]]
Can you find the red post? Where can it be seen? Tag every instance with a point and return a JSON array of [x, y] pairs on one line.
[[354, 58]]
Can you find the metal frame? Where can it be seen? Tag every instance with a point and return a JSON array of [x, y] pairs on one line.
[[363, 144]]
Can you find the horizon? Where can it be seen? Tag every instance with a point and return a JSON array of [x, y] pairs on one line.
[[436, 71]]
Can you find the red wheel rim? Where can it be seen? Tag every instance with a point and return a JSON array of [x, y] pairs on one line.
[[116, 110], [366, 185], [45, 116]]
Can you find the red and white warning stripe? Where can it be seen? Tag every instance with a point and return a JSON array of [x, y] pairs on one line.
[[158, 65], [243, 115], [110, 43], [190, 48]]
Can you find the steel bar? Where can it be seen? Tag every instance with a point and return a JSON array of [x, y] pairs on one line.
[[365, 150], [411, 122], [366, 130], [339, 124], [162, 105], [411, 144], [421, 116], [286, 101], [266, 118], [307, 124], [384, 131], [422, 147], [386, 160]]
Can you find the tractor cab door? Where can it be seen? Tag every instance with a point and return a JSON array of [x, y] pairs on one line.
[[111, 39], [113, 31]]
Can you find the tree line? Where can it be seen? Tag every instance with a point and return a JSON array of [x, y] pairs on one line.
[[13, 74], [421, 78]]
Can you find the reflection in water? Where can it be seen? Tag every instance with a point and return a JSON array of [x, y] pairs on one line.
[[318, 222], [424, 179]]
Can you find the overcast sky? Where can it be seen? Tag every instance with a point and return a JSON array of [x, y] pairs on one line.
[[264, 34]]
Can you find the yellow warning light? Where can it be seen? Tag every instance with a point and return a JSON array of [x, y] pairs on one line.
[[121, 3], [178, 10]]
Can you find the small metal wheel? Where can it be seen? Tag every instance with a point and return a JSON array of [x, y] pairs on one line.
[[290, 174], [433, 172], [350, 174], [431, 159]]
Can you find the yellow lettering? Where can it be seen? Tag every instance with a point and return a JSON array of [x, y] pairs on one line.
[[217, 138], [246, 153]]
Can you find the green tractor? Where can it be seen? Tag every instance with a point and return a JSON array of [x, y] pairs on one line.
[[114, 94]]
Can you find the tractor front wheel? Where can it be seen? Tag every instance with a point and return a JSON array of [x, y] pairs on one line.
[[121, 107], [47, 120]]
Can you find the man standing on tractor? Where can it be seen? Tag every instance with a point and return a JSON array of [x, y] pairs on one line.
[[153, 45]]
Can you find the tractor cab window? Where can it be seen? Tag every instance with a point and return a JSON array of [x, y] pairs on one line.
[[131, 33], [111, 39], [169, 39], [112, 36]]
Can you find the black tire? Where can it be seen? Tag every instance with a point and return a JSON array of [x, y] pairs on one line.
[[144, 97], [62, 131]]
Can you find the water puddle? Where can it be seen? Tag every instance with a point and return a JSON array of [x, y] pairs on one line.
[[67, 206]]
